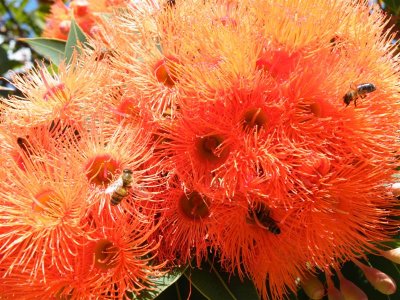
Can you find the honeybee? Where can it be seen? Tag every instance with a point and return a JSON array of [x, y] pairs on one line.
[[260, 215], [360, 90], [120, 188]]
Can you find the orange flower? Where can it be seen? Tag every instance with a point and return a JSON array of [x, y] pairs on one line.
[[270, 121], [31, 141], [106, 5], [58, 22], [269, 246], [185, 217], [103, 152], [67, 95], [151, 79], [151, 72], [42, 209], [200, 147], [273, 126], [116, 260]]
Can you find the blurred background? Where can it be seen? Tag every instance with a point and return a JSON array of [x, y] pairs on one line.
[[19, 19]]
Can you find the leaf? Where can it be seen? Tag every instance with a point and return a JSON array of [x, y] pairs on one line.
[[76, 39], [215, 285], [5, 63], [52, 49], [392, 5], [9, 65], [162, 283]]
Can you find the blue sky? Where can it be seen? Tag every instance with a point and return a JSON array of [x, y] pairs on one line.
[[31, 5]]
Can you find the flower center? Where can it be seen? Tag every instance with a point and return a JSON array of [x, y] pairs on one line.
[[255, 118], [313, 169], [101, 169], [279, 64], [165, 71], [128, 109], [259, 214], [316, 109], [105, 254], [194, 206], [209, 148], [43, 198]]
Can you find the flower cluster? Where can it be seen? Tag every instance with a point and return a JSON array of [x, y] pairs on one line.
[[262, 131], [87, 13]]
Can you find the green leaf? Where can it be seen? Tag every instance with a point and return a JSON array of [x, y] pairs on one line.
[[5, 63], [76, 39], [215, 284], [9, 65], [162, 283], [52, 49], [392, 5]]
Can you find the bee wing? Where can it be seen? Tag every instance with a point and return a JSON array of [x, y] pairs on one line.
[[113, 186]]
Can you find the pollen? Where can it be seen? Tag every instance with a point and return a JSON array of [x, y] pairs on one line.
[[101, 169], [194, 206]]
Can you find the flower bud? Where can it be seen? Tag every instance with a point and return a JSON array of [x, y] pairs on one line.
[[334, 294], [350, 291], [379, 280], [313, 287], [64, 26], [392, 255]]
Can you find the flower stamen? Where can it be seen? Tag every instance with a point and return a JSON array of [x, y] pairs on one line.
[[101, 169], [105, 254]]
